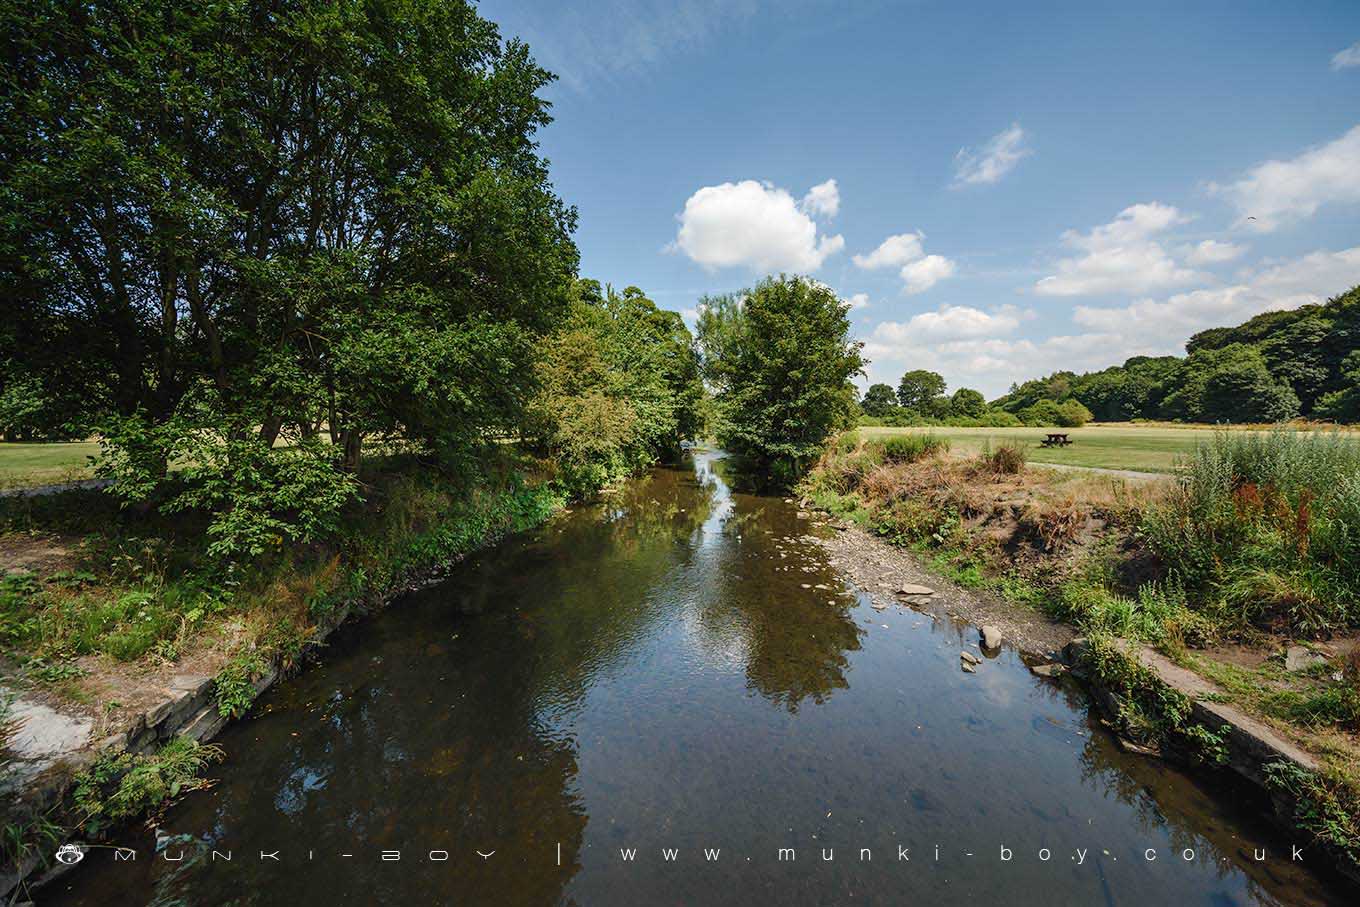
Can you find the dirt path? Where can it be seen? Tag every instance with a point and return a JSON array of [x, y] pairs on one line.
[[1102, 470]]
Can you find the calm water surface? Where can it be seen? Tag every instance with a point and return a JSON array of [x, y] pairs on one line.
[[676, 671]]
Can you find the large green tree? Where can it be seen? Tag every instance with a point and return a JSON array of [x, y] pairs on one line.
[[779, 359], [919, 389], [619, 387], [232, 225], [879, 400]]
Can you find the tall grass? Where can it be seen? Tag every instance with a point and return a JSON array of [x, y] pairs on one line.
[[913, 447], [1266, 526]]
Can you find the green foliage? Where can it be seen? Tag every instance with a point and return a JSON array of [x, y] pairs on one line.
[[912, 447], [898, 417], [123, 786], [172, 261], [618, 388], [779, 359], [1326, 807], [919, 389], [879, 400], [38, 836], [1275, 367], [235, 683], [1231, 384], [1149, 711], [1343, 405], [967, 403], [1266, 527], [1067, 414]]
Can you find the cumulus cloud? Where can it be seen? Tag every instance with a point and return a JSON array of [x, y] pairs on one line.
[[951, 322], [752, 224], [858, 301], [921, 275], [1278, 193], [893, 252], [981, 349], [1163, 325], [1121, 256], [993, 160], [823, 200], [919, 271], [1212, 252], [1344, 59]]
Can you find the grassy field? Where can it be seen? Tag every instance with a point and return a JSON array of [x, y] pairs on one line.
[[25, 465], [1112, 446]]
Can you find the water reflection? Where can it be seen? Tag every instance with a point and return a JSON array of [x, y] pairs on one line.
[[679, 667]]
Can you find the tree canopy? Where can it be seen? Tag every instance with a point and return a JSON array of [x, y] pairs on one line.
[[1277, 366], [231, 226], [779, 360]]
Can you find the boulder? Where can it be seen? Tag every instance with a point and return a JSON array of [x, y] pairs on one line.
[[991, 637]]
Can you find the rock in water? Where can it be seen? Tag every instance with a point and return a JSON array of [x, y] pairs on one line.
[[991, 637], [913, 589], [969, 658], [1048, 670], [968, 668]]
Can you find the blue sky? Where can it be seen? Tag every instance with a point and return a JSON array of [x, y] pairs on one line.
[[1003, 189]]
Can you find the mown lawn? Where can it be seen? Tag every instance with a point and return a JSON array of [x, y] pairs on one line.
[[1118, 446], [25, 465]]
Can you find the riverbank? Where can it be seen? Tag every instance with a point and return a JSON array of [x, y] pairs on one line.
[[1044, 547], [126, 650]]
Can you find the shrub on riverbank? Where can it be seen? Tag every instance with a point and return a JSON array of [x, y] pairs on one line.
[[1264, 528], [146, 588], [911, 448]]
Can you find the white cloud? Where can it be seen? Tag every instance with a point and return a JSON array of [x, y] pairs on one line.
[[1211, 251], [1120, 256], [1277, 193], [823, 200], [1164, 326], [951, 322], [919, 271], [1347, 58], [893, 252], [994, 160], [921, 275], [757, 225], [858, 301]]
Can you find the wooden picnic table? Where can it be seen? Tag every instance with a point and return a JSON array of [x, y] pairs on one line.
[[1056, 439]]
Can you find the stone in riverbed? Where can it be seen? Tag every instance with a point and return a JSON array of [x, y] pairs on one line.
[[1048, 670], [913, 589], [969, 658], [968, 668], [991, 637]]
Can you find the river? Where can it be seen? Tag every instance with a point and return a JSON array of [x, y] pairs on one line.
[[673, 698]]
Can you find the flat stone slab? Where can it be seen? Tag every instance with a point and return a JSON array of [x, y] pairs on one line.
[[43, 733], [1252, 743], [913, 589]]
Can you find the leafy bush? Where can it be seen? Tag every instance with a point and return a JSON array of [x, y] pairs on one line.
[[1267, 524], [911, 448], [123, 786]]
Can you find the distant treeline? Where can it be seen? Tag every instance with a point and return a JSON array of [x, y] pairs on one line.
[[1301, 363]]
